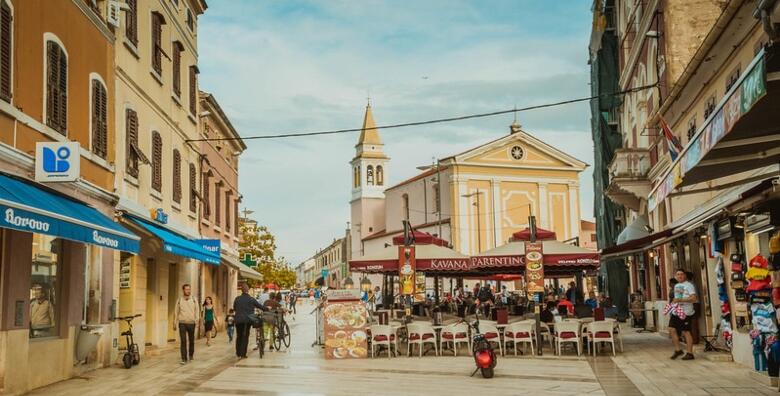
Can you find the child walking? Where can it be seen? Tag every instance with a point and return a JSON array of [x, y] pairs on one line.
[[230, 324]]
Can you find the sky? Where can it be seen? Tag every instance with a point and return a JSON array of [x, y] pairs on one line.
[[300, 66]]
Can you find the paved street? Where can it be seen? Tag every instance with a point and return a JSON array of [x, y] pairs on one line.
[[643, 369]]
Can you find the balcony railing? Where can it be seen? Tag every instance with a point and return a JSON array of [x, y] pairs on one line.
[[630, 163]]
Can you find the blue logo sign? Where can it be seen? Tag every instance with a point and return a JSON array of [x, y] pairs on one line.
[[56, 162], [211, 245], [159, 216], [324, 272]]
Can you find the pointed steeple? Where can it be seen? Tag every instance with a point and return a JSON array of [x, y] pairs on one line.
[[369, 134]]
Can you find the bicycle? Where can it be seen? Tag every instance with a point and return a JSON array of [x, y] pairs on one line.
[[281, 331], [257, 324]]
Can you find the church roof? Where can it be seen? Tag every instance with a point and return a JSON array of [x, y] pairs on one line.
[[369, 134]]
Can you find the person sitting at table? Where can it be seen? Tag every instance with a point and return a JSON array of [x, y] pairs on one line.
[[583, 311], [610, 310], [591, 301], [568, 307], [548, 313]]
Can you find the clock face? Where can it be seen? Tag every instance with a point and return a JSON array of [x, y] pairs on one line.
[[517, 152]]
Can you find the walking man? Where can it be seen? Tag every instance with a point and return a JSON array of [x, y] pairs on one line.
[[244, 305], [292, 302], [185, 316], [680, 319]]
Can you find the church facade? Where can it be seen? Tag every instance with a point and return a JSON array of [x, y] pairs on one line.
[[475, 199]]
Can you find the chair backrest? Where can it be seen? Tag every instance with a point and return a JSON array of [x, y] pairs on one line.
[[568, 326], [601, 327], [513, 328], [455, 328], [488, 327], [420, 328], [377, 330]]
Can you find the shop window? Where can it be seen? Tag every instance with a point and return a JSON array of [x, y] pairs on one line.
[[44, 289]]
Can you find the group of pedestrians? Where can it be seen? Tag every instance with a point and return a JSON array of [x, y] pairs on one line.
[[188, 313]]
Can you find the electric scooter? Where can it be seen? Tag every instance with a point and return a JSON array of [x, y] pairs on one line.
[[132, 355], [484, 355]]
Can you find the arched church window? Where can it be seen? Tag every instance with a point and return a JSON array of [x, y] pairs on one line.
[[370, 175], [380, 175], [356, 181]]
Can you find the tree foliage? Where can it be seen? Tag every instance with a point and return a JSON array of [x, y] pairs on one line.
[[260, 244]]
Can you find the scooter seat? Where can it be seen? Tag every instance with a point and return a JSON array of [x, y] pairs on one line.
[[126, 333]]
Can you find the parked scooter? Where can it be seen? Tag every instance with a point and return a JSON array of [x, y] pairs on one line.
[[132, 355], [484, 355]]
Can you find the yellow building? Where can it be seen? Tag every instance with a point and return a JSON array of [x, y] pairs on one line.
[[486, 193]]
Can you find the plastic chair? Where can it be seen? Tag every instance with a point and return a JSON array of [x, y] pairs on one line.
[[421, 334], [618, 331], [520, 332], [568, 331], [383, 335], [599, 332], [491, 333], [457, 333]]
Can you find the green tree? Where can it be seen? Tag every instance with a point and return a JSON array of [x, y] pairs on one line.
[[260, 243]]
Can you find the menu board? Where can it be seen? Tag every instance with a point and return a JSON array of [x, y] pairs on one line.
[[534, 267], [124, 274], [345, 330]]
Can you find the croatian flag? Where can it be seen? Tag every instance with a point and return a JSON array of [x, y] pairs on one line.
[[675, 148]]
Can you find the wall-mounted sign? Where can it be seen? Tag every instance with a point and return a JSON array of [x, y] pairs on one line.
[[406, 269], [57, 161], [211, 245], [159, 215], [124, 273], [324, 272]]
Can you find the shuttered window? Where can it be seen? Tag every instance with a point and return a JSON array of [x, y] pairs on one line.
[[193, 90], [56, 88], [193, 189], [6, 31], [217, 206], [176, 176], [228, 208], [235, 222], [99, 119], [157, 51], [131, 151], [177, 50], [131, 21], [206, 188], [157, 161]]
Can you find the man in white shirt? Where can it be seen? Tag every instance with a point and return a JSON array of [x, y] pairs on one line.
[[264, 296], [684, 297]]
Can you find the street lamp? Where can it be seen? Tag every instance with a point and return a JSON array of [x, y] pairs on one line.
[[348, 283], [365, 284], [479, 236]]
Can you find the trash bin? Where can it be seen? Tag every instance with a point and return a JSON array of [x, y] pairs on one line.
[[89, 335]]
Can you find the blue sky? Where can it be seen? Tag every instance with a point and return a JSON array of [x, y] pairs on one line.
[[292, 66]]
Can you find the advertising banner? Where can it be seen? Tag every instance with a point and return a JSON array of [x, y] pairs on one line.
[[534, 267], [406, 270], [345, 330]]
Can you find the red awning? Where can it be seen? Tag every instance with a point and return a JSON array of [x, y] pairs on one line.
[[428, 258], [421, 238], [525, 235], [557, 256]]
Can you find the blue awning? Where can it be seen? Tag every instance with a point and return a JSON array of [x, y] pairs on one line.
[[29, 208], [178, 244]]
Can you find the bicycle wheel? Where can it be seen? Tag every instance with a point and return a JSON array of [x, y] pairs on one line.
[[260, 341], [277, 335], [286, 336]]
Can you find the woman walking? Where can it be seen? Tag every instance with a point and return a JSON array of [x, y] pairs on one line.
[[208, 319]]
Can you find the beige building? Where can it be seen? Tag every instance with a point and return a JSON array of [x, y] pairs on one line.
[[475, 199], [157, 107], [334, 260]]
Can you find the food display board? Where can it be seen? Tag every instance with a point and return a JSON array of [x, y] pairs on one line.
[[345, 329], [534, 267]]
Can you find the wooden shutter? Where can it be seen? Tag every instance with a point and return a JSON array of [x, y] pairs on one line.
[[131, 125], [193, 189], [177, 49], [131, 21], [99, 119], [6, 20], [217, 206], [235, 218], [193, 90], [176, 176], [228, 207], [157, 161], [206, 203], [157, 42], [56, 87]]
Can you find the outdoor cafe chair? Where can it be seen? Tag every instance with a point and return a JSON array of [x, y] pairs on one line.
[[601, 332], [546, 332], [420, 333], [519, 332], [568, 331], [618, 331], [383, 335], [456, 333], [491, 333]]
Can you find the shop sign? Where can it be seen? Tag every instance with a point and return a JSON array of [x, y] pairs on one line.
[[159, 215], [496, 261], [458, 264], [324, 272], [210, 245], [406, 269], [124, 274], [57, 162], [737, 104], [534, 267]]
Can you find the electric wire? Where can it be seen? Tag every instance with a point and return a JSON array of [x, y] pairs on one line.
[[427, 122]]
